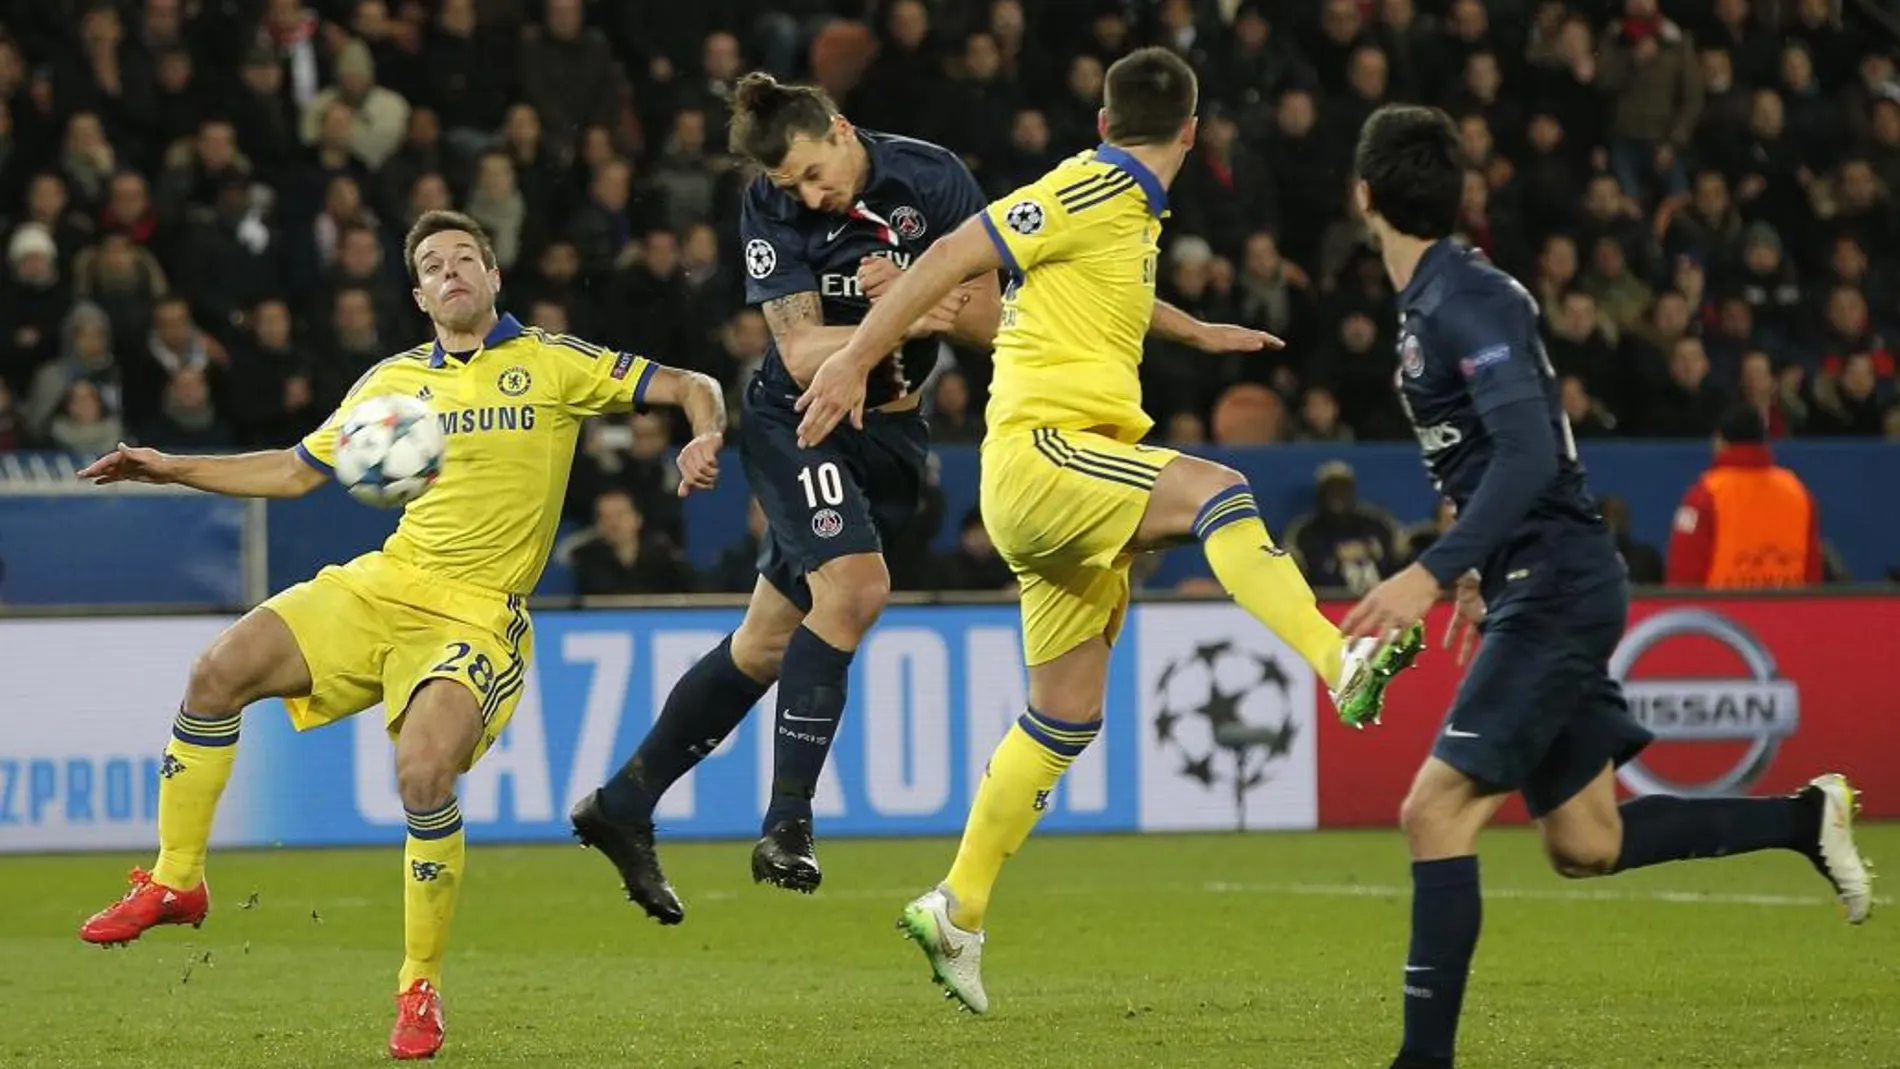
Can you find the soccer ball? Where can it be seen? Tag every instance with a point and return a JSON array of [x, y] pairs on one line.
[[389, 450]]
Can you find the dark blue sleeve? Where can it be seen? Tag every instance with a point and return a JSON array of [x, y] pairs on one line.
[[773, 249], [1501, 364], [958, 196]]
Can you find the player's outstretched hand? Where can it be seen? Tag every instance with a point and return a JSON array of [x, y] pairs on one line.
[[699, 463], [836, 391], [1393, 605], [129, 464], [1228, 338], [876, 275], [1461, 631]]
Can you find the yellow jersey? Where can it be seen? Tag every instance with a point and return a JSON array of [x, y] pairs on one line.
[[511, 414], [1080, 245]]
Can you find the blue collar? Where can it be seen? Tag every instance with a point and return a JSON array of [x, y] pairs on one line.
[[1437, 255], [1150, 185], [507, 328]]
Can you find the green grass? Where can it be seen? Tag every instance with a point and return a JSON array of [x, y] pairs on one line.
[[1230, 951]]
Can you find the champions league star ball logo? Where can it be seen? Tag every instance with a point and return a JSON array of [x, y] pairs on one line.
[[1227, 713]]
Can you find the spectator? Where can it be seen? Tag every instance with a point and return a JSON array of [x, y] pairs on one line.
[[83, 425], [378, 116], [12, 428], [1343, 545], [85, 354], [974, 563], [1747, 523], [952, 421], [737, 570], [187, 422], [623, 558]]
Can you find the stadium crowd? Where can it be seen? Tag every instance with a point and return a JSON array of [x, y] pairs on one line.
[[203, 203]]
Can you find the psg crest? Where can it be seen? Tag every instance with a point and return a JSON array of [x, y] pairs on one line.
[[1411, 356], [908, 222]]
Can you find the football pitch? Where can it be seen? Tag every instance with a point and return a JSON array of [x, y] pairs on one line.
[[1169, 951]]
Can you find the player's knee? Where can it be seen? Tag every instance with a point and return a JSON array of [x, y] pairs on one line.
[[853, 592], [425, 777], [1579, 857], [216, 685], [758, 652]]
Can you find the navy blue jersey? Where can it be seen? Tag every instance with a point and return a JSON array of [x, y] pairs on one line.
[[916, 193], [1487, 408]]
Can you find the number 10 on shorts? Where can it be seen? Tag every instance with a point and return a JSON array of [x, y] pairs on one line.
[[828, 484]]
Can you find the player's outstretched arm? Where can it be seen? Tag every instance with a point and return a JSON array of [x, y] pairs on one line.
[[837, 390], [1175, 325], [704, 403], [277, 473], [797, 323]]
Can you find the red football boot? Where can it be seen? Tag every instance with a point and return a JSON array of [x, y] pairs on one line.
[[418, 1031], [146, 905]]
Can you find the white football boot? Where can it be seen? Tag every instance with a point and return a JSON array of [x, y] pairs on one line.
[[956, 956], [1835, 853]]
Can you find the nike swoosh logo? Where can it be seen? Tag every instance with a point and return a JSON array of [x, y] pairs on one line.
[[833, 236], [807, 719], [1454, 733], [1418, 968], [951, 953]]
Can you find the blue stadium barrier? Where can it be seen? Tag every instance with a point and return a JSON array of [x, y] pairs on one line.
[[151, 549]]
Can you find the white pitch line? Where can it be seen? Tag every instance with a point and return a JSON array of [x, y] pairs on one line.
[[1353, 890], [1682, 898]]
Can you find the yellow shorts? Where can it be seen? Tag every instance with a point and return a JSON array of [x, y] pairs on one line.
[[1061, 507], [377, 629]]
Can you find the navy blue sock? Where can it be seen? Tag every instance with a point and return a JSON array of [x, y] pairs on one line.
[[707, 703], [1447, 909], [811, 689], [1661, 828]]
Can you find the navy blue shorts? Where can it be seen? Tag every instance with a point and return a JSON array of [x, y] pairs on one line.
[[1538, 712], [848, 495]]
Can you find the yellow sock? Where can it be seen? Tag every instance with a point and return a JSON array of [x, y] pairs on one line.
[[1009, 801], [196, 767], [432, 879], [1267, 584]]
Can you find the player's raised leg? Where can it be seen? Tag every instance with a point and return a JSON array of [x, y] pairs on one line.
[[707, 704], [438, 734], [1214, 504], [1590, 835], [847, 593], [1064, 716], [257, 657]]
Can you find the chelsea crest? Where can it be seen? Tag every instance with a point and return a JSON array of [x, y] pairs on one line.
[[514, 382]]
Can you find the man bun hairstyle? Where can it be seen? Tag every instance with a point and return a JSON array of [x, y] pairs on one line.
[[1414, 169], [767, 114], [431, 223], [1150, 95]]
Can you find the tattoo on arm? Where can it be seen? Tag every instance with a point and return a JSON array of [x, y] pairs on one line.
[[787, 314]]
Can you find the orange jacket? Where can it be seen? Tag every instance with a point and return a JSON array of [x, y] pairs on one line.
[[1746, 524]]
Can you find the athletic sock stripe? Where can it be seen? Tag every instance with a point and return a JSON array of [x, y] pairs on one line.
[[1223, 514], [1234, 503], [440, 824], [1059, 747], [200, 731], [1063, 729]]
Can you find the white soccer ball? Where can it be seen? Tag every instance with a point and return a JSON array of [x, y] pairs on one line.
[[389, 450]]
